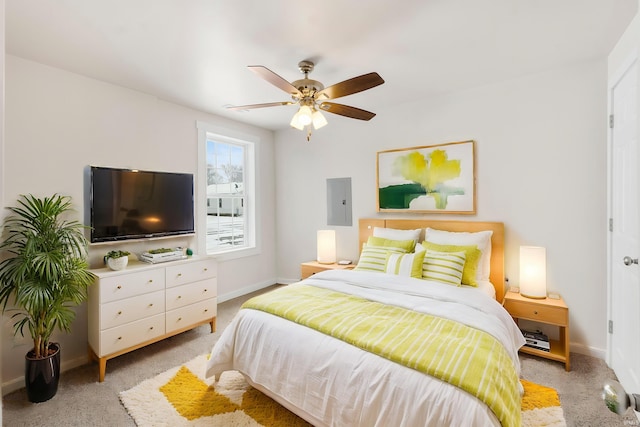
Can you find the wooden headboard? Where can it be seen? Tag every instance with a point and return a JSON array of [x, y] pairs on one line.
[[497, 239]]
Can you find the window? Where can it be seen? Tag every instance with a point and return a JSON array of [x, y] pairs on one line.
[[225, 195], [227, 174]]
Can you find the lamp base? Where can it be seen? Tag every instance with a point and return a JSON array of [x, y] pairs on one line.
[[533, 296], [325, 262]]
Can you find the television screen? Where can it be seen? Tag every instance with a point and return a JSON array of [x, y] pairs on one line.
[[131, 204]]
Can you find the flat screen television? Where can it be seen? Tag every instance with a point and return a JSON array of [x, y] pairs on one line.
[[132, 204]]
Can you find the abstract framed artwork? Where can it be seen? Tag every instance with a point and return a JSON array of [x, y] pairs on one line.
[[430, 179]]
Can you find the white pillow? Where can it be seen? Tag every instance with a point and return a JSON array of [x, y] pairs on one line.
[[482, 239], [395, 234], [408, 265]]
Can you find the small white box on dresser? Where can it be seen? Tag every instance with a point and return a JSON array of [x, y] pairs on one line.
[[145, 303]]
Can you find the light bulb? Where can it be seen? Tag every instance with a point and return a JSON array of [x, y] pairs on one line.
[[295, 121], [304, 115], [318, 119]]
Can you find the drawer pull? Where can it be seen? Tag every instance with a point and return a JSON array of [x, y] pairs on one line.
[[179, 296], [120, 312], [535, 312], [206, 269], [151, 305], [150, 281], [179, 274], [179, 319], [119, 287], [151, 328], [119, 338], [206, 310], [205, 290]]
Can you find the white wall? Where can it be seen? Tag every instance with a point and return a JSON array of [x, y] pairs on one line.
[[2, 50], [57, 123], [541, 169]]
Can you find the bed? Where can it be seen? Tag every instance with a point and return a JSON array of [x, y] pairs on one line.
[[381, 348]]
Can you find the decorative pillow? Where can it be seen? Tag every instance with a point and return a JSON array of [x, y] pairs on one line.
[[472, 257], [406, 245], [481, 239], [374, 258], [445, 267], [395, 234], [409, 265]]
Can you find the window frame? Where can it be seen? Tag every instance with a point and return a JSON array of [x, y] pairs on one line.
[[207, 131]]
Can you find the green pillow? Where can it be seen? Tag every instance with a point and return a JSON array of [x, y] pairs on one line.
[[374, 258], [472, 257], [445, 267], [409, 265], [406, 245]]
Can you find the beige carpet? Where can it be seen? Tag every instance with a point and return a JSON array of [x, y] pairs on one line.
[[181, 397]]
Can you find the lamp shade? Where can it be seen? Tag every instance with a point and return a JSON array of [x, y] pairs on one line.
[[295, 121], [533, 272], [318, 120], [326, 246]]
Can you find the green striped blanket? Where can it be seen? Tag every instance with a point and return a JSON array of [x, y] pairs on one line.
[[465, 357]]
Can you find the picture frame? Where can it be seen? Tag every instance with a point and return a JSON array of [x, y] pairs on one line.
[[428, 179]]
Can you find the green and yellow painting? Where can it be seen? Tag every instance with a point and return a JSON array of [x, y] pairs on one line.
[[434, 178]]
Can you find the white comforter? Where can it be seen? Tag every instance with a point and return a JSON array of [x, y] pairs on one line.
[[331, 383]]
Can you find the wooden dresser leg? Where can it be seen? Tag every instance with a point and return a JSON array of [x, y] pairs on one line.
[[213, 324], [103, 368]]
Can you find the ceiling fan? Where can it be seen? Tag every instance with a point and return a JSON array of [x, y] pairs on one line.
[[312, 96]]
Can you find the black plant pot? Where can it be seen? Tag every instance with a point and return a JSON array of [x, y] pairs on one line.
[[41, 375]]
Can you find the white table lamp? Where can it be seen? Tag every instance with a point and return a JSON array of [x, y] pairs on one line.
[[533, 272], [326, 246]]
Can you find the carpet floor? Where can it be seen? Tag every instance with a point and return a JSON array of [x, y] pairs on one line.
[[82, 401]]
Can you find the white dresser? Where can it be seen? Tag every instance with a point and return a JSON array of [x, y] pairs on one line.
[[145, 303]]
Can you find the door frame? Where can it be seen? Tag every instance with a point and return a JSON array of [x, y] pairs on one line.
[[618, 74]]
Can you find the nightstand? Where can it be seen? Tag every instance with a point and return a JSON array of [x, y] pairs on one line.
[[550, 311], [312, 267]]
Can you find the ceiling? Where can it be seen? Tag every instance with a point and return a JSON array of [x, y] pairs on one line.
[[195, 52]]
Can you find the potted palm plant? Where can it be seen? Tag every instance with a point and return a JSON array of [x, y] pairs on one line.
[[45, 273]]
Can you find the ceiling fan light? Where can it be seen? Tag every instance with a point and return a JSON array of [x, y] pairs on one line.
[[295, 121], [318, 119], [304, 115]]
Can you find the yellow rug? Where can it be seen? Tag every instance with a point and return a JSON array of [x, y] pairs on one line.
[[181, 397]]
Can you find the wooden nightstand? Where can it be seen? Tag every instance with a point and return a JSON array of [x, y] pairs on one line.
[[550, 311], [312, 267]]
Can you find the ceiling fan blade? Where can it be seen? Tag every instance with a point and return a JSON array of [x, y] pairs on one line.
[[274, 79], [345, 110], [351, 86], [268, 104]]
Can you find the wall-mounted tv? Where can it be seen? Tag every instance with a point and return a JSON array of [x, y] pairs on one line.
[[132, 204]]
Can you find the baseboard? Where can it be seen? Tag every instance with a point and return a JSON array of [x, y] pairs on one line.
[[287, 281], [600, 353], [247, 290], [18, 383]]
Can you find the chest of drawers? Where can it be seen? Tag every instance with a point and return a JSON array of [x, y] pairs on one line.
[[129, 309]]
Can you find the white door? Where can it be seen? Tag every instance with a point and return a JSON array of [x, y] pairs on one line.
[[624, 349]]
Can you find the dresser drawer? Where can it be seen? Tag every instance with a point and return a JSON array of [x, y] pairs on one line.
[[191, 272], [191, 314], [179, 296], [130, 334], [124, 311], [537, 312], [122, 286]]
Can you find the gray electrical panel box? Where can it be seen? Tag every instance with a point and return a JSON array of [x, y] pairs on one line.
[[339, 201]]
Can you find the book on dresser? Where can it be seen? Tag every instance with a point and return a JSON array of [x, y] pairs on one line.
[[536, 340]]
